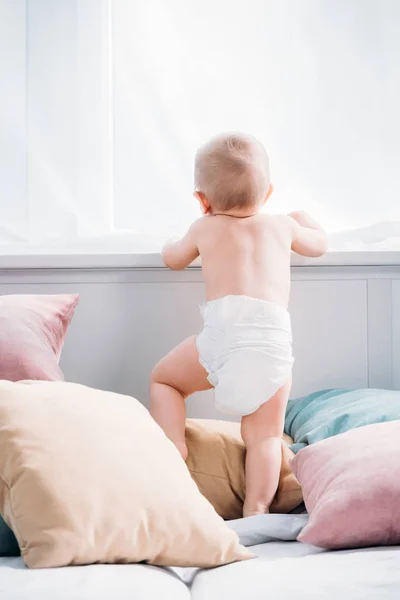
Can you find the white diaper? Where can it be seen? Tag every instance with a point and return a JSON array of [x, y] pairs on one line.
[[246, 348]]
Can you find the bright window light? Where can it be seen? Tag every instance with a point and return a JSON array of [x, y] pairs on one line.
[[104, 102]]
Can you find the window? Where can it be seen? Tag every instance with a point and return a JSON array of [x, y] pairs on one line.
[[104, 103]]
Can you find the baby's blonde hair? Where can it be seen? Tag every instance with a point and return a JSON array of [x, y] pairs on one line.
[[232, 171]]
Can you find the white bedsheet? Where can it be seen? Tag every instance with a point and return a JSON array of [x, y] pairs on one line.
[[95, 582], [294, 571], [282, 570]]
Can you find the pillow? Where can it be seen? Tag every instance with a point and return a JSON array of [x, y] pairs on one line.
[[330, 412], [87, 476], [351, 488], [216, 462], [32, 332], [8, 543]]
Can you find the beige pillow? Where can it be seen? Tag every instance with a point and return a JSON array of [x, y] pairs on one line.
[[87, 476], [216, 463]]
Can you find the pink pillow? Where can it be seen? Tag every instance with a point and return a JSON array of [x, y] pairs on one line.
[[351, 488], [32, 332]]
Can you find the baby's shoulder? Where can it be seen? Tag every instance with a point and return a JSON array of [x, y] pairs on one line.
[[278, 225], [200, 228], [199, 225], [278, 221]]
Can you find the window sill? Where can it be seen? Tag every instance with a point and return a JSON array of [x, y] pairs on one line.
[[153, 261]]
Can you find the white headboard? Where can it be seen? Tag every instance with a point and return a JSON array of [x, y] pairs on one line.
[[346, 324]]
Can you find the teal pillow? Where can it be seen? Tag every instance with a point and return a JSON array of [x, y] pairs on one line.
[[8, 542], [330, 412]]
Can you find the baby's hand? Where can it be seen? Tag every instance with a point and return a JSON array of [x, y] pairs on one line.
[[308, 237], [178, 255]]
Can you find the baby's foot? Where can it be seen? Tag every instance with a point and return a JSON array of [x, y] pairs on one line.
[[252, 511]]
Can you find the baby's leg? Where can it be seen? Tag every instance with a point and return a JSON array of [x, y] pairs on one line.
[[262, 433], [173, 379]]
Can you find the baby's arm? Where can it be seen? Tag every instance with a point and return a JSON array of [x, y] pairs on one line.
[[178, 255], [308, 237]]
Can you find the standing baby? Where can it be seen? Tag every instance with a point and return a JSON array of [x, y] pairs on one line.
[[244, 350]]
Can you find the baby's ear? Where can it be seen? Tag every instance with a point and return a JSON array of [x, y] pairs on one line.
[[271, 189], [204, 204]]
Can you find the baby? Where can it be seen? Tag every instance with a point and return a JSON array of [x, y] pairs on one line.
[[244, 350]]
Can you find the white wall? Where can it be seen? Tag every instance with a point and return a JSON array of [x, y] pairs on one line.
[[346, 324]]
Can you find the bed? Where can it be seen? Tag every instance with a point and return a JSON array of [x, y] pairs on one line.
[[283, 568], [292, 570]]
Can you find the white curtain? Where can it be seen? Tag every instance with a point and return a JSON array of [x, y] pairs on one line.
[[103, 103], [56, 120]]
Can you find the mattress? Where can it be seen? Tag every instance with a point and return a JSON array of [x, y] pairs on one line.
[[94, 582], [283, 569], [294, 571]]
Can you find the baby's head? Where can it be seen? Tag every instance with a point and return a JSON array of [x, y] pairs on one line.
[[232, 175]]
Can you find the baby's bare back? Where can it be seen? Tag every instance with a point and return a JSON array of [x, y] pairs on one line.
[[248, 256]]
